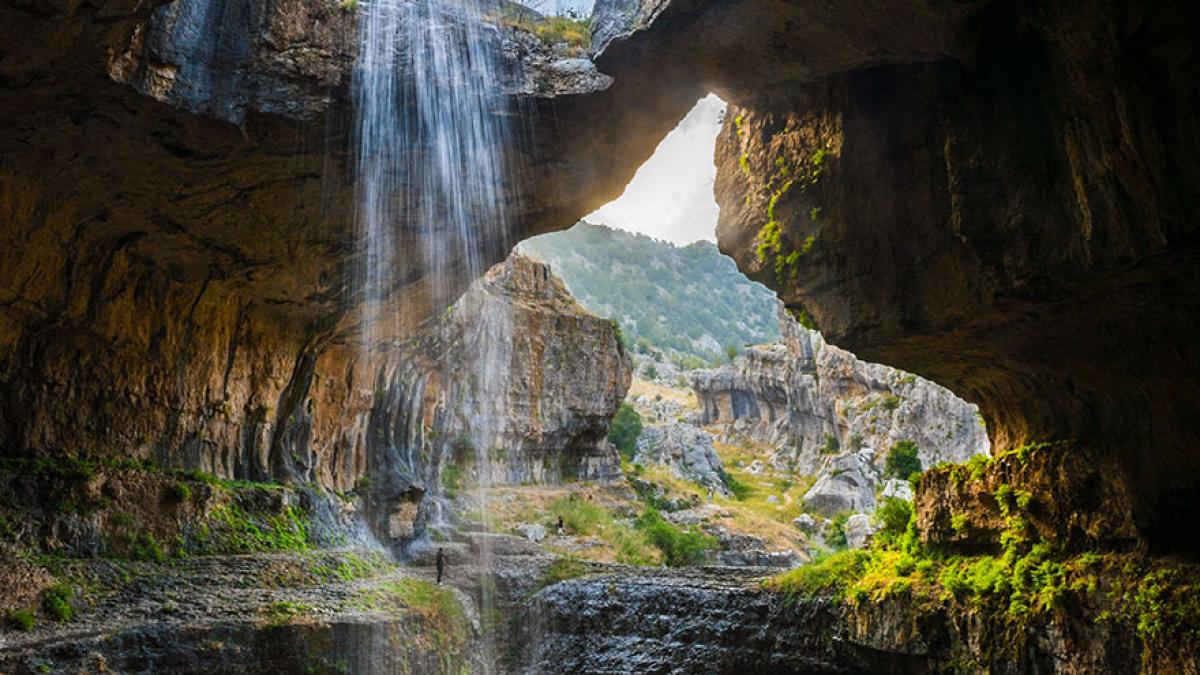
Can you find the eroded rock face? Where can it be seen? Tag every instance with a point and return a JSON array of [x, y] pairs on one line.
[[186, 299], [515, 383], [1017, 225], [815, 401], [686, 450]]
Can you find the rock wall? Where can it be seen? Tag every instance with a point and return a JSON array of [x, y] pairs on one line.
[[1016, 221], [814, 401], [515, 383], [686, 622], [177, 237]]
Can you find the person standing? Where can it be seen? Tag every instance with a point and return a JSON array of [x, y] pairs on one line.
[[441, 565]]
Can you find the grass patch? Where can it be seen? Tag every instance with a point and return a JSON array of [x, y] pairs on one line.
[[587, 519], [57, 601], [679, 547], [573, 32], [21, 619], [448, 628], [233, 530], [283, 612]]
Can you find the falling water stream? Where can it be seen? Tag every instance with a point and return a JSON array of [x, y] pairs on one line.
[[429, 161]]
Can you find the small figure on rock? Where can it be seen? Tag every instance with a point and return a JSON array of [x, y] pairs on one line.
[[710, 495], [561, 530], [441, 565]]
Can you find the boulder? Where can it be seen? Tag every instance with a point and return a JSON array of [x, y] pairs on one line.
[[531, 531], [686, 450], [899, 489], [848, 484], [859, 529], [806, 523]]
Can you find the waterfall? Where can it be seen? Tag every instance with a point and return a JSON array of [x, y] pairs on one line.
[[429, 163], [430, 137]]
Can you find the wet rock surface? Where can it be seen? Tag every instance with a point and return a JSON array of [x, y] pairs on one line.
[[711, 621], [268, 613]]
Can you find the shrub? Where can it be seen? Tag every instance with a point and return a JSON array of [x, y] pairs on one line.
[[624, 430], [22, 620], [146, 547], [57, 600], [180, 492], [678, 547], [837, 538], [894, 514], [740, 490], [902, 460], [831, 445]]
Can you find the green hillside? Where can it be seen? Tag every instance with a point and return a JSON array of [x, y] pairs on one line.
[[689, 302]]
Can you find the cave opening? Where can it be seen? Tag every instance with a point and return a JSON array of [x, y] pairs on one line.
[[732, 402]]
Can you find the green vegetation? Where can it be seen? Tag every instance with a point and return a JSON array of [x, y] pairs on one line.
[[740, 490], [1028, 579], [678, 547], [145, 547], [837, 536], [902, 460], [688, 304], [582, 518], [22, 620], [831, 446], [236, 531], [350, 567], [57, 601], [570, 30], [624, 430], [451, 479], [282, 612], [895, 515], [181, 493], [445, 626], [560, 570], [348, 5], [799, 171]]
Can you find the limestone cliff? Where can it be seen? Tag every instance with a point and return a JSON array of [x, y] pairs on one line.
[[816, 403], [514, 383], [1015, 221]]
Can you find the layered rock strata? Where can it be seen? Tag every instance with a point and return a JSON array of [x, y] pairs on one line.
[[514, 383], [1016, 221], [834, 416]]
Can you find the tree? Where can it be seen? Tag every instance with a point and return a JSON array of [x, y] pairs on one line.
[[732, 352], [651, 372], [902, 460], [624, 430]]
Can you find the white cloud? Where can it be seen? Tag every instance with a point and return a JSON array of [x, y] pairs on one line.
[[671, 195]]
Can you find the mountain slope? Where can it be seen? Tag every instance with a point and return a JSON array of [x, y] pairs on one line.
[[690, 301]]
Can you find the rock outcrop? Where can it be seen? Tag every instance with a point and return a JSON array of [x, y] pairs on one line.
[[686, 450], [698, 621], [846, 483], [833, 415], [1015, 220], [515, 383]]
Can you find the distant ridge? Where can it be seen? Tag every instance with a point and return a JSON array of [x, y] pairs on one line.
[[690, 302]]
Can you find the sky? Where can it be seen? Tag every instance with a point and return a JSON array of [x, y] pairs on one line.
[[671, 196]]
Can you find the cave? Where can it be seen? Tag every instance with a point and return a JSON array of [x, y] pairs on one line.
[[996, 195]]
